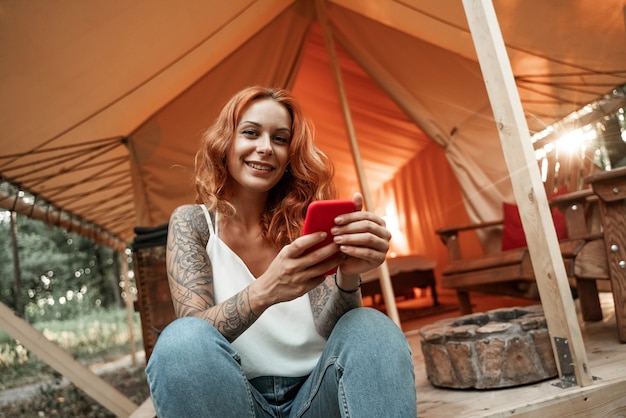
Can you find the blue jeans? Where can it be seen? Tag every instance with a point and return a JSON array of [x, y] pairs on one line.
[[365, 370]]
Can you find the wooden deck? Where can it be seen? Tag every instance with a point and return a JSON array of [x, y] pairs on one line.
[[607, 361], [604, 398]]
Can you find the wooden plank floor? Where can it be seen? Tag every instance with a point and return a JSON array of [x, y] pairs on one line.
[[605, 398]]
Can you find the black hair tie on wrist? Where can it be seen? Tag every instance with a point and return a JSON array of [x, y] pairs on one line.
[[347, 291]]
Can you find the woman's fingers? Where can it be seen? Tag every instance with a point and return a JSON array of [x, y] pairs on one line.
[[363, 238], [362, 231]]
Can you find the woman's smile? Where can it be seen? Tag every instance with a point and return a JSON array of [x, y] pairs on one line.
[[259, 166]]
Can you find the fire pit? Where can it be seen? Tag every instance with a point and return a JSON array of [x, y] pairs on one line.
[[496, 349]]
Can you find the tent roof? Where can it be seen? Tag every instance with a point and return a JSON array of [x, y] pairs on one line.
[[103, 102]]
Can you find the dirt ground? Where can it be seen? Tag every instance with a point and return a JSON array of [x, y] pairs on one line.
[[69, 402]]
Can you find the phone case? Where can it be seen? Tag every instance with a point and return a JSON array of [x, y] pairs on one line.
[[320, 216]]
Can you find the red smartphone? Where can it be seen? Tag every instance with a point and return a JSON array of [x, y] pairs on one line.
[[320, 216]]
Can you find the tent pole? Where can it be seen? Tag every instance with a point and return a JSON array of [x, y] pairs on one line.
[[530, 195], [385, 278]]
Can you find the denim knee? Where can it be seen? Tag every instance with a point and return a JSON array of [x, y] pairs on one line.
[[366, 325], [367, 346], [188, 338], [194, 369], [190, 343]]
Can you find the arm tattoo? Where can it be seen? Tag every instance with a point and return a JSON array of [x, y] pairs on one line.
[[190, 276], [234, 315], [329, 304]]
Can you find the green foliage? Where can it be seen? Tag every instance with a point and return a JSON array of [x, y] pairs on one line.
[[12, 354], [71, 293], [63, 274], [91, 334], [101, 335]]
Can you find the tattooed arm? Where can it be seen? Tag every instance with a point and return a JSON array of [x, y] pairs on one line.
[[190, 277], [328, 304]]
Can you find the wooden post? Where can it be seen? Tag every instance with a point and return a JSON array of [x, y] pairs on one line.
[[57, 358], [530, 195], [128, 301], [17, 270], [385, 278]]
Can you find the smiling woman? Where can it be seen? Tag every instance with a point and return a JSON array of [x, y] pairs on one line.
[[253, 303], [259, 154]]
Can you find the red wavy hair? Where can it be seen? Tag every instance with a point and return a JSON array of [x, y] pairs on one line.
[[308, 178]]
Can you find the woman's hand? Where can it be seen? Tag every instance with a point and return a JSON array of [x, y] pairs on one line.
[[363, 239], [293, 273]]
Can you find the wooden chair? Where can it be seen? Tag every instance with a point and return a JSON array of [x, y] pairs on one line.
[[595, 251], [610, 188]]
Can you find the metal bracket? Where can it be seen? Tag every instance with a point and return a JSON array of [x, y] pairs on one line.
[[564, 384], [564, 357]]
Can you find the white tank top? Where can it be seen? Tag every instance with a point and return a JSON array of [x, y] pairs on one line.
[[283, 340]]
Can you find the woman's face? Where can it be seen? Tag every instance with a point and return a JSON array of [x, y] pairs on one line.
[[259, 154]]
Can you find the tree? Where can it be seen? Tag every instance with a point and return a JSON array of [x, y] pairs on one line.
[[17, 272], [6, 261], [63, 273]]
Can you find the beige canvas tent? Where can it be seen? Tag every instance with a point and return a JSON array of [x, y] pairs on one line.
[[103, 103]]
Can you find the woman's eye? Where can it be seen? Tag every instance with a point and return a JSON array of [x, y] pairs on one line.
[[249, 132], [281, 139]]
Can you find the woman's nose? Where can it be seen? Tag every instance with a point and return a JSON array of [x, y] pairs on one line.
[[264, 145]]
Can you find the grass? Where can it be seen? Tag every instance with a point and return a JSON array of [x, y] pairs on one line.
[[100, 336]]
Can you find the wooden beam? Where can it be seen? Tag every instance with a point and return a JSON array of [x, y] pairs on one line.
[[54, 216], [128, 303], [603, 399], [530, 195], [383, 270], [145, 410], [57, 358]]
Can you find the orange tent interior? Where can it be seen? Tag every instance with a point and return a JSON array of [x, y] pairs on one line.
[[103, 102]]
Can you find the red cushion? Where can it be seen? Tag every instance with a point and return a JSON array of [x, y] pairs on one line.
[[513, 232]]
